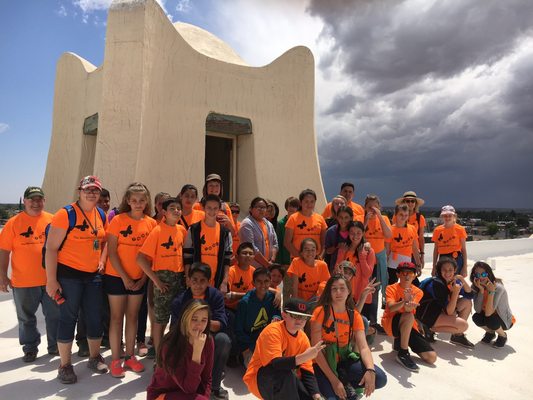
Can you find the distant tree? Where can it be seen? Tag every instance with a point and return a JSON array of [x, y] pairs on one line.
[[4, 214], [512, 230], [492, 229], [522, 221]]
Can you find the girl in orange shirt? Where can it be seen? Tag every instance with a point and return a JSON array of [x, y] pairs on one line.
[[403, 244], [124, 279], [189, 196], [306, 273], [336, 322], [450, 241], [305, 223]]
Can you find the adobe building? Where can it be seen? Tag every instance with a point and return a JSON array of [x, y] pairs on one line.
[[172, 103]]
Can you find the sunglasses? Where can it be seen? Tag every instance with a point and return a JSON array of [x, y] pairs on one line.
[[91, 191], [298, 317], [481, 274], [409, 201], [235, 211]]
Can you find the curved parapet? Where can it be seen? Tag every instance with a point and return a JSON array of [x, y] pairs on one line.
[[71, 154]]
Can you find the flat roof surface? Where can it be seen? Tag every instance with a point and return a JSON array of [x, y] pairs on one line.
[[459, 373]]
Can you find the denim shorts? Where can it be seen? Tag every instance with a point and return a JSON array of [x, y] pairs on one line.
[[113, 285], [84, 293]]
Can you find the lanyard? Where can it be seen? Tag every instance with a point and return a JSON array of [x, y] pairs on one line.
[[94, 230]]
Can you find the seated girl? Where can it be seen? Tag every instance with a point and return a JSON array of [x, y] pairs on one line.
[[446, 303], [342, 368], [185, 374], [491, 305]]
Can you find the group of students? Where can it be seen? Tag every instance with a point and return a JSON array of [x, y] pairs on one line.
[[295, 301]]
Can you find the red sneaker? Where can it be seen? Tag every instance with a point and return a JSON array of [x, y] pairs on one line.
[[116, 370], [133, 364]]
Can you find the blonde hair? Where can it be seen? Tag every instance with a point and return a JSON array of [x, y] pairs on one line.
[[187, 316], [135, 187]]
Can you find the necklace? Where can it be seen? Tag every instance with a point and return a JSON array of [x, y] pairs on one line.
[[96, 243]]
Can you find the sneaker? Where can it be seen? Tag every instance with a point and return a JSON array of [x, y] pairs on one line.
[[219, 394], [97, 364], [151, 353], [352, 393], [488, 337], [500, 342], [66, 374], [116, 369], [29, 356], [379, 329], [406, 361], [83, 349], [461, 340], [133, 364], [142, 349]]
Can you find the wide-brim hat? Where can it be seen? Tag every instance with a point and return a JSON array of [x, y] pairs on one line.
[[409, 195]]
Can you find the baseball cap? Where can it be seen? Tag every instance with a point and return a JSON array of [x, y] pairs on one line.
[[90, 181], [447, 210], [406, 266], [348, 265], [33, 191], [297, 307]]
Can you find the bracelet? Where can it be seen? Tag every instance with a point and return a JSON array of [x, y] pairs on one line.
[[421, 252], [370, 370], [491, 292]]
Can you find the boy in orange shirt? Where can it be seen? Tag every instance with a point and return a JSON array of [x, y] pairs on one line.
[[282, 348], [23, 239], [161, 259], [399, 318], [209, 242]]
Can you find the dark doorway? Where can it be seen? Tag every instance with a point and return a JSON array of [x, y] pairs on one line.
[[218, 160]]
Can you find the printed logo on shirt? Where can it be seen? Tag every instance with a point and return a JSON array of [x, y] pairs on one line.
[[302, 225], [440, 237], [128, 231], [302, 278], [202, 239], [261, 321], [399, 238], [330, 329], [168, 244], [83, 227], [28, 233], [239, 284]]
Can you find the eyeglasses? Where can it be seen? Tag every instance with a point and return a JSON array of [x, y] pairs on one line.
[[481, 274], [235, 211], [91, 191], [409, 201]]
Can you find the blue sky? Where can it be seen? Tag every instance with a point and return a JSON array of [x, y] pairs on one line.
[[409, 94]]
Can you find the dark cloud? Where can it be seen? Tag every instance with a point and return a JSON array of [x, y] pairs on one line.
[[437, 99]]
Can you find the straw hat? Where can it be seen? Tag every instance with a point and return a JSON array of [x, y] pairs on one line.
[[410, 195]]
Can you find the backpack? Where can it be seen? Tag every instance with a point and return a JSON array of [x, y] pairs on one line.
[[71, 213], [427, 286]]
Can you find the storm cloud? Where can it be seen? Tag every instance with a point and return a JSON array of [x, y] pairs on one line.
[[436, 96]]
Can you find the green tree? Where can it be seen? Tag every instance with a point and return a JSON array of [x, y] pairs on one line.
[[492, 229]]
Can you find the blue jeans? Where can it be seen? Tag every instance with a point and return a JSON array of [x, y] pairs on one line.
[[381, 271], [355, 372], [222, 350], [27, 302], [87, 294]]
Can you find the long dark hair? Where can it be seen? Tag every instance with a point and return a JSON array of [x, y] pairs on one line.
[[438, 267], [172, 348], [325, 299], [358, 225], [486, 267]]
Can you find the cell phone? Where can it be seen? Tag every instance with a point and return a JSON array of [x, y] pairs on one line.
[[58, 298]]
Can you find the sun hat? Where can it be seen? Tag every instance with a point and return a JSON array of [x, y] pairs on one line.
[[409, 195]]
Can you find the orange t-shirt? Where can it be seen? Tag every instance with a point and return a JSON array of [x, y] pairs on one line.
[[274, 342], [78, 250], [412, 221], [395, 293], [309, 278], [358, 211], [239, 281], [343, 325], [402, 240], [131, 235], [374, 233], [448, 240], [224, 210], [23, 236], [209, 240], [164, 245], [306, 227], [194, 217]]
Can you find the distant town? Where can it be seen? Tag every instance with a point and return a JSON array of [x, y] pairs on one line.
[[481, 224]]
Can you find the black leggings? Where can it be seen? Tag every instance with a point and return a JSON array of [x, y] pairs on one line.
[[280, 384], [493, 321]]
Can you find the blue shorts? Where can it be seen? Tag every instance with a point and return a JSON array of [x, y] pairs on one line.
[[114, 286]]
